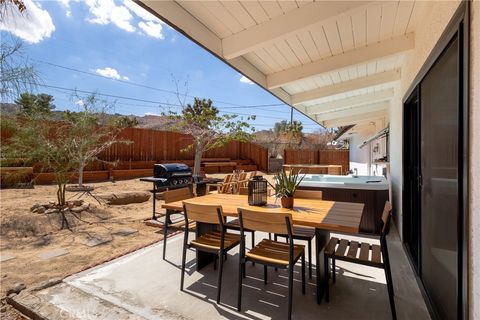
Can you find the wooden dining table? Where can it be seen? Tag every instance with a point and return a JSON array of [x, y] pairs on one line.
[[324, 216]]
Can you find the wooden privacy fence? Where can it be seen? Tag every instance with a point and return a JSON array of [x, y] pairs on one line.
[[164, 146], [325, 156], [153, 146]]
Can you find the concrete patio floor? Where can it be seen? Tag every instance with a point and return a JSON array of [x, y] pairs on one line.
[[144, 286]]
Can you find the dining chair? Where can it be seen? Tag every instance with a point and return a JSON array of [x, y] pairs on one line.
[[304, 233], [370, 255], [234, 224], [218, 242], [267, 252], [172, 196]]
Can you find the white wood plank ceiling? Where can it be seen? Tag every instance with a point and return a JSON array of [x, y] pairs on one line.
[[337, 62]]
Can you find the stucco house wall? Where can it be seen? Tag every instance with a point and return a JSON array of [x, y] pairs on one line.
[[426, 37], [438, 14]]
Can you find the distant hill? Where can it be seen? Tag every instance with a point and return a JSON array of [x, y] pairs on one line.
[[8, 109]]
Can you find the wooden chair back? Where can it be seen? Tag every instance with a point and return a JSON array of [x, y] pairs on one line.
[[243, 191], [227, 185], [177, 195], [242, 180], [386, 216], [205, 213], [308, 194], [270, 222]]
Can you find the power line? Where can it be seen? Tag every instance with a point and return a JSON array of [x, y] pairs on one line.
[[153, 88], [148, 101]]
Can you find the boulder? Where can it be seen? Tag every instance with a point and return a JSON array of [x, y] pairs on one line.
[[77, 202], [77, 209], [16, 288], [49, 211], [120, 198], [40, 209]]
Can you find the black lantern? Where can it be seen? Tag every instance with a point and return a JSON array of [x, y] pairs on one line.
[[257, 191]]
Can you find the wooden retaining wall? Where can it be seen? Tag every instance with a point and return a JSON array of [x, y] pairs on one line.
[[322, 156]]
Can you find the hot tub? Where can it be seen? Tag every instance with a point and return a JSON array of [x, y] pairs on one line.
[[334, 181], [370, 190]]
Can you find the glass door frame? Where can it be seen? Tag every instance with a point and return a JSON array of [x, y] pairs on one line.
[[458, 25]]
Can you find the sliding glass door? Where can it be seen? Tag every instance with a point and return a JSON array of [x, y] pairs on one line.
[[435, 180], [440, 107]]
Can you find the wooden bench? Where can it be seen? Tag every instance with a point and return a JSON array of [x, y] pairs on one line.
[[220, 164], [219, 167], [215, 160]]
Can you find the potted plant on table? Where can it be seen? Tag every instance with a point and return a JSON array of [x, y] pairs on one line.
[[285, 186]]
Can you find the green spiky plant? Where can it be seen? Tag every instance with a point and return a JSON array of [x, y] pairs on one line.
[[286, 183]]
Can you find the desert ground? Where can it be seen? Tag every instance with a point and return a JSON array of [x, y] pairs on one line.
[[29, 242]]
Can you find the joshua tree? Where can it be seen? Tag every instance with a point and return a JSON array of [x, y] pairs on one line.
[[295, 128], [208, 127]]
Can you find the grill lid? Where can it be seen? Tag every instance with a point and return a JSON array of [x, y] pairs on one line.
[[168, 170]]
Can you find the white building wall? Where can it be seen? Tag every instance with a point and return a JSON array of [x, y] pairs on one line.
[[426, 36], [438, 14], [361, 159]]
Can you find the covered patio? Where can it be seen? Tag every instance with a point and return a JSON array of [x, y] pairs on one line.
[[142, 285], [342, 64]]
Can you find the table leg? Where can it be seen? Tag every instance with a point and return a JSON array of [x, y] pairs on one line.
[[154, 200], [321, 239], [165, 231], [204, 258]]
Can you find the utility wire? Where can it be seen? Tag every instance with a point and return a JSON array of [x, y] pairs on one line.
[[153, 88], [148, 101]]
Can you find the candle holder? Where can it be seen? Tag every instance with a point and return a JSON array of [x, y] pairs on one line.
[[257, 191]]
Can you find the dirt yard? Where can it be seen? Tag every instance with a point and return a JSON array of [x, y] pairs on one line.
[[25, 236], [28, 240]]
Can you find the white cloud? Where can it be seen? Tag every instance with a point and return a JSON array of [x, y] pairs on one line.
[[152, 29], [66, 5], [140, 12], [110, 73], [244, 79], [33, 25], [80, 102], [106, 12]]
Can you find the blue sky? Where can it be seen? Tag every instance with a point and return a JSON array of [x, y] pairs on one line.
[[119, 40]]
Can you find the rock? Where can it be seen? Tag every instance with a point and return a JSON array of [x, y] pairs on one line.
[[121, 198], [49, 211], [77, 209], [35, 206], [11, 295], [3, 309], [17, 288], [40, 209], [77, 203]]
